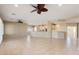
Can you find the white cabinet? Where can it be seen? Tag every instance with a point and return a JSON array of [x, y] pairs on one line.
[[41, 34], [58, 34]]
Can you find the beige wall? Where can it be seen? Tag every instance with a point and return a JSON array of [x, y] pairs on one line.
[[61, 27], [15, 28]]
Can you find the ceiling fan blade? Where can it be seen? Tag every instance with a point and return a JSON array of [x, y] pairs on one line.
[[44, 10], [33, 10], [33, 6]]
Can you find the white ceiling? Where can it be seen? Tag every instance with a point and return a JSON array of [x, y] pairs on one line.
[[23, 12]]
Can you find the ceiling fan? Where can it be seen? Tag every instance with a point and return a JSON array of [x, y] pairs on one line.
[[39, 8]]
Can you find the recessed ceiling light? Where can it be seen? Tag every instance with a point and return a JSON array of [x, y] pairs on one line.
[[60, 5], [16, 5]]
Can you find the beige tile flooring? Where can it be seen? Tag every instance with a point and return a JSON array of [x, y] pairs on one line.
[[23, 45]]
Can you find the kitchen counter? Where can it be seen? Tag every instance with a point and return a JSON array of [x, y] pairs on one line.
[[41, 34], [55, 34], [58, 34]]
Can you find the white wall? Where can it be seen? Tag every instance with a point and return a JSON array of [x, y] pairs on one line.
[[1, 27], [15, 28], [61, 27], [1, 30]]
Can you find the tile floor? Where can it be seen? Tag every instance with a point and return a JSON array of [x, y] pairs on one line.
[[26, 45]]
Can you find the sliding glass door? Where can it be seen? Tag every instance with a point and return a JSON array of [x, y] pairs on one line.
[[71, 40]]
